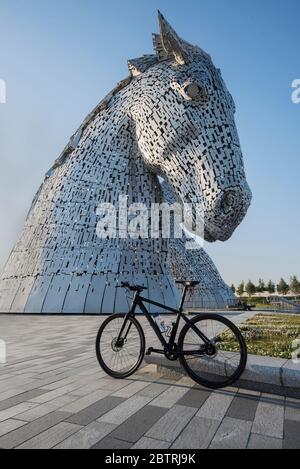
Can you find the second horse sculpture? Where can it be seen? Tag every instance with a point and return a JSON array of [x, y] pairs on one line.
[[173, 118]]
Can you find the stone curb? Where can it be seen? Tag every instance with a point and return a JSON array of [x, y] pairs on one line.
[[263, 374]]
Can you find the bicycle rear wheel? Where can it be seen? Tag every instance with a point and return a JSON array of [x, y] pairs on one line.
[[222, 361], [120, 360]]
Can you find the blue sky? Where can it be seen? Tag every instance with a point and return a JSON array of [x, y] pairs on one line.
[[60, 57]]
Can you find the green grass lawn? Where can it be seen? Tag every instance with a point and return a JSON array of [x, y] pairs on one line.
[[262, 305], [269, 335]]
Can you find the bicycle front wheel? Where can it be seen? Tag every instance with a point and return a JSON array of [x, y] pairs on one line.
[[122, 359], [220, 362]]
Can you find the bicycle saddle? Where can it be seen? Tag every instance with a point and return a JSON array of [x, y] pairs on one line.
[[188, 283], [135, 288]]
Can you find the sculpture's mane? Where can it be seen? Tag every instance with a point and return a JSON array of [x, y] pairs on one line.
[[168, 47]]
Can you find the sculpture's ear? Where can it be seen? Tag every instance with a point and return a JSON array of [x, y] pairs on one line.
[[170, 42]]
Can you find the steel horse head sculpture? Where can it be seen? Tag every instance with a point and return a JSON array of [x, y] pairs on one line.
[[173, 117], [193, 141]]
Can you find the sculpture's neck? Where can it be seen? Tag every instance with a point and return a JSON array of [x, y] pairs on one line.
[[110, 151]]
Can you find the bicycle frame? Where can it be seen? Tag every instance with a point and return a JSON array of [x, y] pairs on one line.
[[168, 347]]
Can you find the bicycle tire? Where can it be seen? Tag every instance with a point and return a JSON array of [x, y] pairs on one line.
[[140, 354], [203, 380]]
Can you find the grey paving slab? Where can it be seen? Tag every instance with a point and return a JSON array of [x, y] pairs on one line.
[[243, 407], [90, 388], [131, 389], [172, 423], [51, 437], [9, 425], [194, 398], [49, 396], [170, 396], [125, 410], [14, 391], [232, 434], [112, 443], [197, 435], [170, 380], [150, 443], [87, 436], [79, 404], [269, 417], [139, 423], [23, 397], [26, 432], [15, 410], [44, 409], [153, 390], [96, 410], [291, 435], [216, 406], [61, 383], [292, 410], [15, 382], [264, 442], [36, 413], [113, 384]]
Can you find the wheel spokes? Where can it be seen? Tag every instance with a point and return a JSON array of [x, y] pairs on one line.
[[218, 363], [122, 357]]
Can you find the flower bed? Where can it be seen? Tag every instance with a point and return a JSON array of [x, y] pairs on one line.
[[268, 335]]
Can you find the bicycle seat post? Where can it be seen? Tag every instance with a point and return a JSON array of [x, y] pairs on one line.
[[183, 296], [136, 297]]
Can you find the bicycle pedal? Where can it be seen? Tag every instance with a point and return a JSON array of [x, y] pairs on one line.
[[149, 351]]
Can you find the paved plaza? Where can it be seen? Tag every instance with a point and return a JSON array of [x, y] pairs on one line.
[[54, 395]]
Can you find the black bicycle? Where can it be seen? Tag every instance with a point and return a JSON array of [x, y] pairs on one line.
[[210, 348]]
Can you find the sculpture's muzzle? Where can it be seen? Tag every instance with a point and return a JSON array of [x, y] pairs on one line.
[[227, 213]]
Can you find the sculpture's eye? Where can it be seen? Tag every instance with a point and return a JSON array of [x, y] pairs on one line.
[[196, 92]]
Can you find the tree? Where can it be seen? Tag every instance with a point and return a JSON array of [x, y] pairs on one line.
[[282, 287], [271, 287], [233, 288], [261, 287], [295, 285], [250, 288], [241, 289]]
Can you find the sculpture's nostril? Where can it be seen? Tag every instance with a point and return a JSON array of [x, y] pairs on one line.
[[228, 202]]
